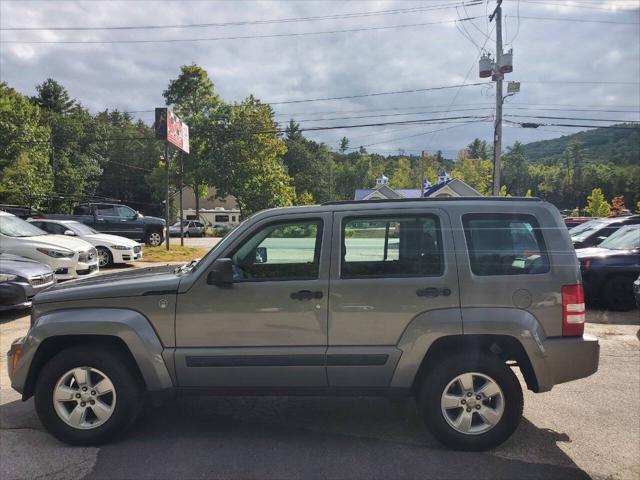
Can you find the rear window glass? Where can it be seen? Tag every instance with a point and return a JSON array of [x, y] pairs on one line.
[[505, 244]]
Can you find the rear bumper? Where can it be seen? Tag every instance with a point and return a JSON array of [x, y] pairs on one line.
[[567, 358]]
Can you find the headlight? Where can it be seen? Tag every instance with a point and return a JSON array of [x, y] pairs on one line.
[[5, 277], [52, 252], [121, 247]]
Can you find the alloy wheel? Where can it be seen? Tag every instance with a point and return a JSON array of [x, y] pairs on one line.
[[472, 403], [84, 398], [103, 258]]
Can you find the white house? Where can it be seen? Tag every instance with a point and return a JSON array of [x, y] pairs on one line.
[[445, 187]]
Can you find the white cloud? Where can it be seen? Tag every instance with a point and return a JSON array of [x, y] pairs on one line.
[[133, 76]]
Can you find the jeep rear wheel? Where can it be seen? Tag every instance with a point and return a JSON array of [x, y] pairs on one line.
[[471, 401], [87, 396]]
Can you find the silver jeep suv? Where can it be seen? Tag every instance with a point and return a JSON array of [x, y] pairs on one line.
[[440, 299]]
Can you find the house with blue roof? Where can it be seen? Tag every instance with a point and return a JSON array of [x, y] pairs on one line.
[[445, 187]]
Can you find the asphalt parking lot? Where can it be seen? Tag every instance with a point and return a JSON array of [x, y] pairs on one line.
[[589, 428]]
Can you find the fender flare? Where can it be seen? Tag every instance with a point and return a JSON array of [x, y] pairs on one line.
[[427, 328], [130, 326]]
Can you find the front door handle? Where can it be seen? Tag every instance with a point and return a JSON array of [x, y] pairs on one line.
[[305, 295], [433, 292]]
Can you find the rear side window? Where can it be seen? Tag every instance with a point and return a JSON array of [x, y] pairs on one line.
[[397, 246], [505, 244]]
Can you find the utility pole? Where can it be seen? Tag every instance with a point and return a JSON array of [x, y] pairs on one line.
[[181, 210], [168, 199], [498, 75]]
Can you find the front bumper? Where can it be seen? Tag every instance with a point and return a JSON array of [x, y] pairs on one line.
[[566, 359], [77, 270], [17, 295], [124, 256]]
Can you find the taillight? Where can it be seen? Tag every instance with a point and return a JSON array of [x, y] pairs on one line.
[[573, 311]]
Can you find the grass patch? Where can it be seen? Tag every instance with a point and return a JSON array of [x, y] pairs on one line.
[[176, 253]]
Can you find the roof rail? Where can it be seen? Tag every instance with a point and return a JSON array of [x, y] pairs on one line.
[[435, 199]]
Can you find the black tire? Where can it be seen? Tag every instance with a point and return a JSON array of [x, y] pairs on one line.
[[202, 235], [186, 235], [104, 251], [127, 385], [154, 238], [617, 293], [443, 371]]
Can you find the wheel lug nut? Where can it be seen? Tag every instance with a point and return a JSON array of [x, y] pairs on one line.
[[84, 389], [82, 404], [477, 407], [463, 401], [468, 409], [93, 392], [78, 395], [478, 397], [92, 402], [468, 394]]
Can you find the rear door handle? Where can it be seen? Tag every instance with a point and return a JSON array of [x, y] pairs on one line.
[[305, 295], [433, 292]]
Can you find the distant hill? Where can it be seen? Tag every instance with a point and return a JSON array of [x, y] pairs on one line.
[[618, 146]]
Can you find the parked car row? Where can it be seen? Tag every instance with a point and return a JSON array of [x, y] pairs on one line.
[[37, 253], [609, 253]]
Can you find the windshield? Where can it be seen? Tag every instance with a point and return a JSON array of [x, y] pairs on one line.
[[580, 232], [627, 238], [16, 227], [80, 228]]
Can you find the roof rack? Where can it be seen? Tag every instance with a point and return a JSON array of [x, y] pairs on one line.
[[434, 199]]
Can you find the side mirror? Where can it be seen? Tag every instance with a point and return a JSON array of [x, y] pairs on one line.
[[221, 272], [70, 233], [261, 255]]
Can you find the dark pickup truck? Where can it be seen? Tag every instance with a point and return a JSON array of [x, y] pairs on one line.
[[117, 219]]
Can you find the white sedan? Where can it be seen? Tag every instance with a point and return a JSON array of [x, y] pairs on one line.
[[111, 248], [68, 257]]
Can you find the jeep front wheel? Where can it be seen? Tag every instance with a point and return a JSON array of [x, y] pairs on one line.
[[471, 402], [87, 396]]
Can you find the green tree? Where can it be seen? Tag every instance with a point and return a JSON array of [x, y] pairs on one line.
[[193, 99], [74, 150], [401, 177], [249, 165], [309, 163], [597, 205], [503, 192], [344, 145], [514, 170], [475, 172], [53, 97], [25, 173], [478, 149]]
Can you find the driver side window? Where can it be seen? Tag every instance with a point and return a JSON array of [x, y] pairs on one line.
[[280, 251]]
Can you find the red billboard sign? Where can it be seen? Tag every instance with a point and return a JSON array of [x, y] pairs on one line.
[[171, 129]]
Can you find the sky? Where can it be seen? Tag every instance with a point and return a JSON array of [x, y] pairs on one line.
[[574, 59]]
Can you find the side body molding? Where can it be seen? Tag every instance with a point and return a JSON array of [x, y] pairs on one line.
[[418, 337], [130, 326]]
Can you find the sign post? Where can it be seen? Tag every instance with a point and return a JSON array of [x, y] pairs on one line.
[[170, 129]]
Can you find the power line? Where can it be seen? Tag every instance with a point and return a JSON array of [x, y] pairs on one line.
[[346, 97], [420, 134], [581, 20], [237, 37], [570, 118], [374, 13]]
